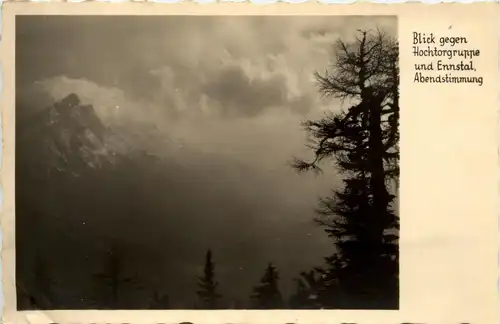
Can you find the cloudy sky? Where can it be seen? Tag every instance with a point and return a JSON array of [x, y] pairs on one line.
[[236, 88]]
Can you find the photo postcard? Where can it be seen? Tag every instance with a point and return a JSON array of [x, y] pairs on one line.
[[237, 163]]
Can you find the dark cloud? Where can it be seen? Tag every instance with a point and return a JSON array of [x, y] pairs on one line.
[[239, 95], [194, 49]]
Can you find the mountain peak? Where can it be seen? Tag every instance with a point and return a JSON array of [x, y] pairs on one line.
[[67, 103], [71, 100], [73, 114], [69, 135]]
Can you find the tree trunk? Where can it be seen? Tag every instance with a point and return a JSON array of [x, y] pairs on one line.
[[376, 165]]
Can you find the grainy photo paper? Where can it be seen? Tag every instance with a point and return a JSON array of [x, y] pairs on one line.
[[235, 163]]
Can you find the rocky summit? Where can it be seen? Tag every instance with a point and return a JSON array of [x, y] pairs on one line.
[[62, 129]]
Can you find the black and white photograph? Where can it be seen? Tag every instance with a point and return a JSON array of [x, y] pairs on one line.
[[199, 162]]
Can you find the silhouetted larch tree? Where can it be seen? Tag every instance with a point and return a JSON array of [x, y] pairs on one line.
[[39, 294], [207, 285], [307, 289], [364, 143], [267, 294], [114, 278]]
